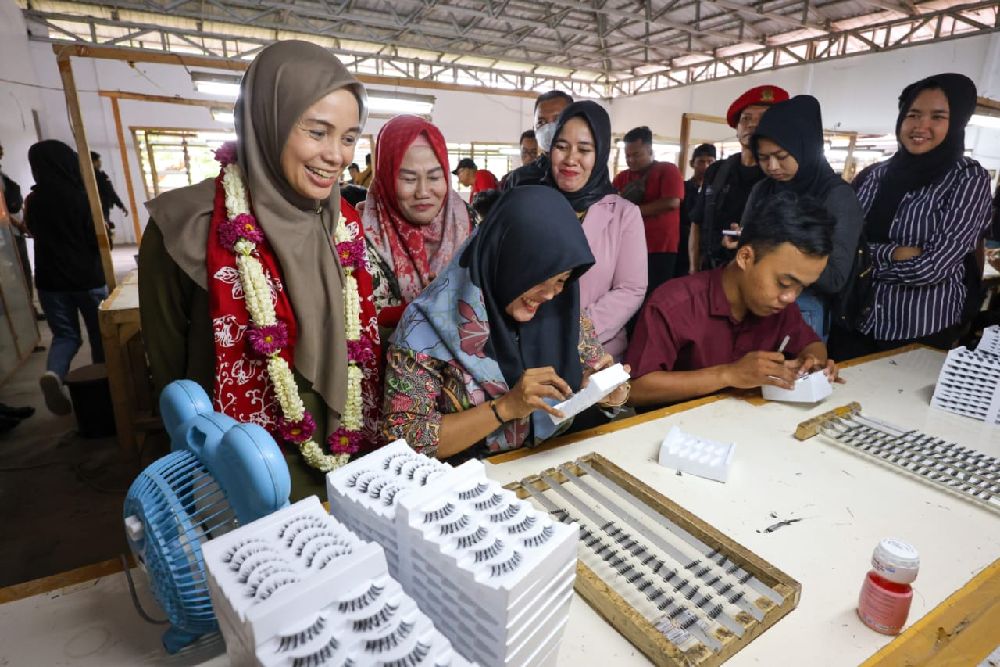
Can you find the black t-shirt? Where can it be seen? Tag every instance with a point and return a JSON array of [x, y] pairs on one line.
[[730, 200]]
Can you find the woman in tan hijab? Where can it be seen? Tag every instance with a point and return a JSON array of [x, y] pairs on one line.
[[250, 283]]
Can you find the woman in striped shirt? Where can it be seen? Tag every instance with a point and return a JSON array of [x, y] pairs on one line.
[[926, 209]]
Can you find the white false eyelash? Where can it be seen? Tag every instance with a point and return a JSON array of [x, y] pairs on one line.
[[327, 556], [319, 545], [539, 539], [509, 565], [271, 584], [454, 526], [352, 479], [376, 620], [365, 483], [424, 465], [474, 492], [319, 657], [394, 459], [523, 526], [388, 496], [293, 641], [411, 659], [300, 523], [256, 561], [438, 514], [466, 541], [262, 570], [489, 552], [364, 479], [423, 474], [375, 488], [505, 515], [301, 540], [389, 641], [362, 600], [231, 552], [406, 470], [249, 549], [492, 501]]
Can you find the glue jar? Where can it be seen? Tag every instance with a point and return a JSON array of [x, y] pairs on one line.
[[886, 594]]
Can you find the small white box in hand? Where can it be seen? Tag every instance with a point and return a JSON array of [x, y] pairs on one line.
[[600, 386], [812, 388], [697, 456]]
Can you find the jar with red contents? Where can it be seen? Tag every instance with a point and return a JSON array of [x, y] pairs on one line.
[[886, 594]]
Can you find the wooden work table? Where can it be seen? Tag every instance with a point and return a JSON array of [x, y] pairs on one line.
[[846, 504]]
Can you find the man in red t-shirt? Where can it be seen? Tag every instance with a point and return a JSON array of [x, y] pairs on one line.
[[480, 179], [732, 326], [658, 189]]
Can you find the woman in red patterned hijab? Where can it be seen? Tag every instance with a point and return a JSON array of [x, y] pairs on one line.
[[414, 221]]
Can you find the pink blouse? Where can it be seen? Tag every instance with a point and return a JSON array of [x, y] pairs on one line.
[[612, 291]]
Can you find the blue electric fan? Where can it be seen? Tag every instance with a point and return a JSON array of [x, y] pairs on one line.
[[219, 475]]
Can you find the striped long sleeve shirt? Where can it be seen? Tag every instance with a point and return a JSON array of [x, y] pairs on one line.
[[946, 219]]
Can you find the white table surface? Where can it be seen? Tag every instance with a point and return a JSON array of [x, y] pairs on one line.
[[847, 504]]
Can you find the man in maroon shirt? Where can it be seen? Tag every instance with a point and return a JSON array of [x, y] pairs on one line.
[[657, 189], [728, 327]]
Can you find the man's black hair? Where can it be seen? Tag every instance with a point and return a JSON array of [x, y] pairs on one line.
[[527, 134], [353, 165], [553, 95], [789, 218], [94, 156], [643, 134], [484, 201], [368, 158]]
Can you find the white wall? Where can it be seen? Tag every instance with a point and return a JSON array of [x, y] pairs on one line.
[[857, 93], [19, 95]]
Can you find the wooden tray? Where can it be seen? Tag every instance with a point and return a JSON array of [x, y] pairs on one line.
[[624, 617]]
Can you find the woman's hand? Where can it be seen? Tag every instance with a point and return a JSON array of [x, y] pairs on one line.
[[905, 252], [526, 396]]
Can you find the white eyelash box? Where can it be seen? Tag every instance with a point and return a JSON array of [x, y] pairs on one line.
[[697, 456], [599, 387], [297, 588], [490, 570], [812, 388]]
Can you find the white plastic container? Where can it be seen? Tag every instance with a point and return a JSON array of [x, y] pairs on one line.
[[812, 388], [600, 386], [697, 456]]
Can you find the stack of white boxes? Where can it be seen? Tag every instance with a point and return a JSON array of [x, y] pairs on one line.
[[296, 588], [969, 382], [494, 574]]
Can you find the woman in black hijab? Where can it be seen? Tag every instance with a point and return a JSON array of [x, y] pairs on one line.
[[485, 349], [788, 146], [612, 292], [926, 210], [68, 271]]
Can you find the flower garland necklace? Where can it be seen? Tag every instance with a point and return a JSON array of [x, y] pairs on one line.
[[268, 336]]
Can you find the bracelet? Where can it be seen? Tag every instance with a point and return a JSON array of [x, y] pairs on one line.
[[628, 391], [496, 413]]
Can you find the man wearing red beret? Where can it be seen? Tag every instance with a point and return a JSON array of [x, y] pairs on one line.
[[727, 184]]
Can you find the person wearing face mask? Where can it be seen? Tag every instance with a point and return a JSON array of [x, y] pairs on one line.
[[926, 210], [414, 221], [658, 190], [548, 106], [733, 326], [722, 198], [272, 348], [788, 146], [613, 290], [481, 355]]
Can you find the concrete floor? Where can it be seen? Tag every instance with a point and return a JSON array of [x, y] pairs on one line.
[[60, 494]]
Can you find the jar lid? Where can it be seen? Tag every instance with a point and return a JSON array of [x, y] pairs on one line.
[[896, 561]]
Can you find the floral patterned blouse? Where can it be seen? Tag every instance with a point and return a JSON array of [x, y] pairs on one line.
[[419, 389]]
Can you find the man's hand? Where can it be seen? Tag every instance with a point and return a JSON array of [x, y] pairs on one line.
[[760, 368], [731, 242], [810, 364], [905, 252]]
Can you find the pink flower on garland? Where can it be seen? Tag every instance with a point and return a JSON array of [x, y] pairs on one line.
[[229, 234], [247, 227], [352, 253], [298, 431], [343, 441], [267, 340], [226, 153], [360, 351]]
